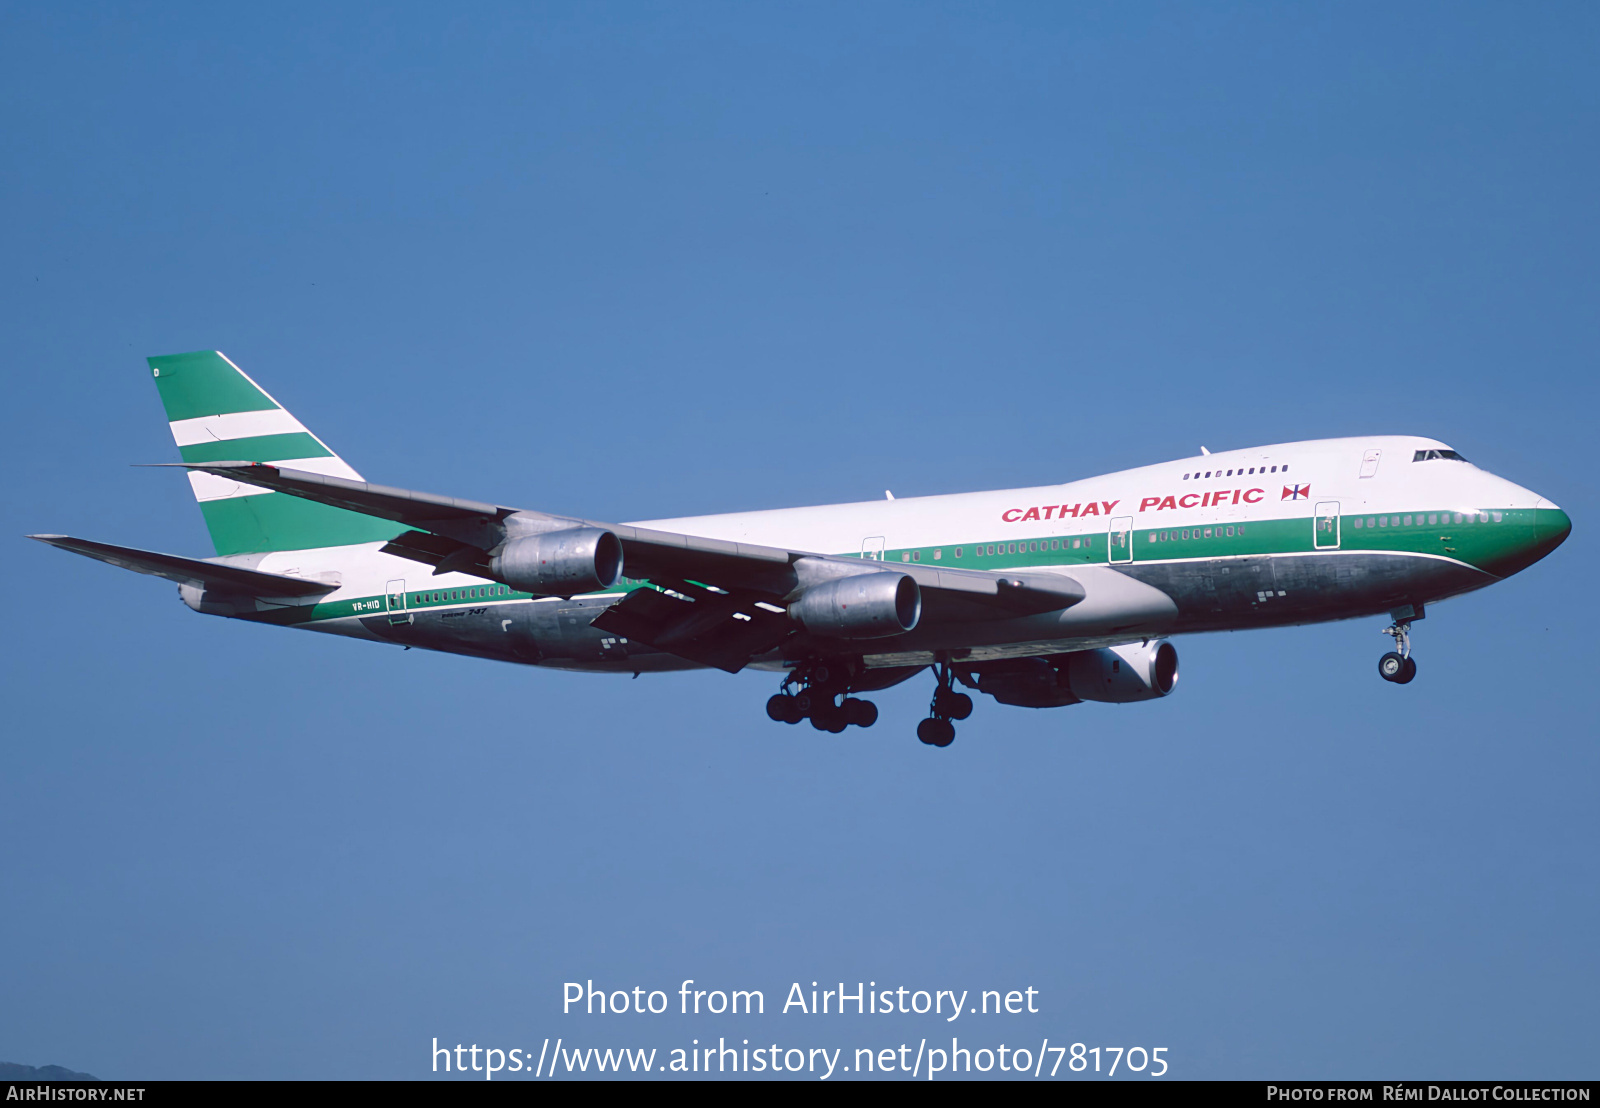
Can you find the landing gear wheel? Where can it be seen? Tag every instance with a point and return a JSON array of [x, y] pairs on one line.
[[829, 718], [1397, 666], [862, 713], [783, 709], [816, 690], [1393, 667], [947, 705], [952, 705]]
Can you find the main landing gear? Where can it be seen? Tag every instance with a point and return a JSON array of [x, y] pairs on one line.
[[819, 688], [947, 705], [1397, 665], [819, 691]]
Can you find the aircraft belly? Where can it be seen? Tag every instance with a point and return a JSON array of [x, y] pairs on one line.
[[475, 631], [548, 633], [1239, 593], [350, 626], [1123, 603]]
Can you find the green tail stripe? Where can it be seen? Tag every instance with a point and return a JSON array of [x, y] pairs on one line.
[[203, 383], [261, 448], [277, 521]]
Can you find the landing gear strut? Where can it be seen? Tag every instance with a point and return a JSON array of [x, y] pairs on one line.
[[1397, 665], [817, 691], [947, 704]]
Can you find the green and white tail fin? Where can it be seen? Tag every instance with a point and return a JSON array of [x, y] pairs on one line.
[[219, 414]]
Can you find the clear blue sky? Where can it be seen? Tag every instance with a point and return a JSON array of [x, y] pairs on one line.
[[632, 260]]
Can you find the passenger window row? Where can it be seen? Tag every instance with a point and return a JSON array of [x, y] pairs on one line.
[[1197, 532], [990, 550], [1240, 472], [1001, 549], [1431, 519], [446, 595]]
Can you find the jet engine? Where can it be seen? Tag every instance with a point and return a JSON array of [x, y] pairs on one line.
[[560, 563], [863, 606], [1124, 674], [1117, 675]]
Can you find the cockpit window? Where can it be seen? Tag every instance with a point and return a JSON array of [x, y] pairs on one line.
[[1437, 455]]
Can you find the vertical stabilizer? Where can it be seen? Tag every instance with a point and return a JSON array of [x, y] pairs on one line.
[[219, 414]]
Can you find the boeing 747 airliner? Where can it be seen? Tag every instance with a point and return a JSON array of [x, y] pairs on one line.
[[1038, 597]]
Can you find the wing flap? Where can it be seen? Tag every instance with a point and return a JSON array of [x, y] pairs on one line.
[[715, 628], [444, 554]]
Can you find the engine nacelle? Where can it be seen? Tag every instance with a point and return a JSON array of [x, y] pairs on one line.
[[560, 563], [863, 606], [1120, 675], [1123, 674]]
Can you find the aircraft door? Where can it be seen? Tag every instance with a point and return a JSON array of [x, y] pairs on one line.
[[1119, 540], [395, 601], [1325, 532], [1369, 463], [872, 548]]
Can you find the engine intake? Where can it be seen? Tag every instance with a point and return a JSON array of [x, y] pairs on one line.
[[863, 606], [560, 563]]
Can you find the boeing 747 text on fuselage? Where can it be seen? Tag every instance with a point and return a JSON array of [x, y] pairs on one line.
[[1038, 597]]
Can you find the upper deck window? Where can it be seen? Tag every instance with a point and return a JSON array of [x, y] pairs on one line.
[[1437, 455]]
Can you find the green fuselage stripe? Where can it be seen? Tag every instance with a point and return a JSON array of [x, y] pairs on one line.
[[1479, 539], [1482, 540]]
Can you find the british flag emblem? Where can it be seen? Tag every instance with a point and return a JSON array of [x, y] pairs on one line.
[[1295, 492]]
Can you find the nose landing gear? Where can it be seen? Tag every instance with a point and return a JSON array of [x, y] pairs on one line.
[[1397, 668], [819, 689], [1397, 665], [947, 704]]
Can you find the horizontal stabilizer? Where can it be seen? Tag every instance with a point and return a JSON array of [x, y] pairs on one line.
[[191, 571]]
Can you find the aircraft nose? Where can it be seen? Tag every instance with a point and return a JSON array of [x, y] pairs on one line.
[[1551, 526], [1530, 541]]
